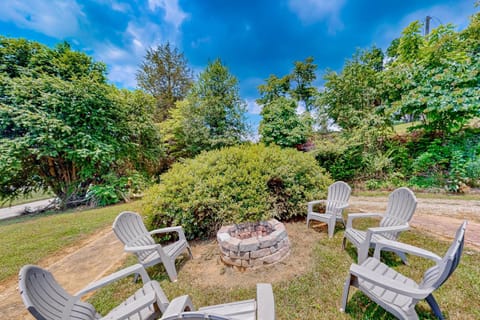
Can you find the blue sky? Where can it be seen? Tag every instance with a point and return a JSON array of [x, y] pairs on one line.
[[254, 38]]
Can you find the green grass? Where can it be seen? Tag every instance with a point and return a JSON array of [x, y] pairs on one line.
[[402, 128], [35, 196], [28, 239], [316, 294]]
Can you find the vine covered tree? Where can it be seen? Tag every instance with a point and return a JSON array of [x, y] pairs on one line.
[[165, 74]]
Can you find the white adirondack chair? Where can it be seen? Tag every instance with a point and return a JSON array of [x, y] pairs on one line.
[[130, 229], [393, 291], [401, 206], [47, 300], [337, 200], [261, 308]]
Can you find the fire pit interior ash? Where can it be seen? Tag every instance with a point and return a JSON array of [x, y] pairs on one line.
[[253, 244]]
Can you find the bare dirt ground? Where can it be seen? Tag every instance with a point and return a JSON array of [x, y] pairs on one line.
[[76, 266]]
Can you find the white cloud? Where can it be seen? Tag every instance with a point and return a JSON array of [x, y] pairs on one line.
[[124, 75], [111, 53], [58, 19], [253, 107], [173, 13], [143, 35], [311, 11]]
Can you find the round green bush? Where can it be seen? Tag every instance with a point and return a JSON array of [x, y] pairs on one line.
[[233, 185]]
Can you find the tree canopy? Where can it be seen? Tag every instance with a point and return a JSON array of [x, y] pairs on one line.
[[210, 117], [61, 125], [165, 74]]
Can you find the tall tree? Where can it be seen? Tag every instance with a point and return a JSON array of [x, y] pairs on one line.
[[281, 97], [354, 95], [281, 125], [210, 117], [165, 74]]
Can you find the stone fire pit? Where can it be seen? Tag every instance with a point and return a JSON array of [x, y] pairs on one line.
[[253, 244]]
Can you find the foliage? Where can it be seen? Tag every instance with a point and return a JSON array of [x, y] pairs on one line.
[[354, 96], [62, 133], [281, 125], [435, 79], [212, 115], [298, 85], [114, 189], [281, 97], [165, 74], [451, 163], [233, 185]]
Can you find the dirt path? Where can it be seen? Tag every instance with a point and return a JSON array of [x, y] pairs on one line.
[[89, 260], [438, 216]]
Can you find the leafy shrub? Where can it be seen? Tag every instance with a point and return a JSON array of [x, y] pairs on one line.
[[233, 185], [113, 189]]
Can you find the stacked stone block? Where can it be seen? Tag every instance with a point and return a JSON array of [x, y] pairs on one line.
[[251, 245]]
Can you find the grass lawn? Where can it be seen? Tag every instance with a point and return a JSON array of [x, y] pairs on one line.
[[28, 239], [311, 292], [315, 293]]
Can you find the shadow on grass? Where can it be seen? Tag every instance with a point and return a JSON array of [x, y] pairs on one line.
[[361, 307]]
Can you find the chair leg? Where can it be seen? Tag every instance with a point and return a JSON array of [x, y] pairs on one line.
[[362, 253], [171, 271], [402, 256], [331, 228], [346, 289], [434, 305]]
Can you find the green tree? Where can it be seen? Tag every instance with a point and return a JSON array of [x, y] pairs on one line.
[[353, 98], [62, 127], [280, 98], [165, 74], [281, 125], [302, 79], [439, 85], [297, 85], [210, 117]]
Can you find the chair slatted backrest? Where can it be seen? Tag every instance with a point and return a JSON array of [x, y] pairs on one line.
[[438, 274], [338, 194], [130, 229], [400, 209], [47, 300]]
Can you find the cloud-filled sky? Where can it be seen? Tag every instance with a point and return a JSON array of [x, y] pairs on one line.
[[254, 38]]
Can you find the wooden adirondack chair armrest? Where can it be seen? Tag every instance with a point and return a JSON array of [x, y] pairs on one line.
[[178, 305], [124, 312], [387, 283], [141, 248], [403, 247], [352, 216], [265, 302], [177, 229], [135, 269]]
